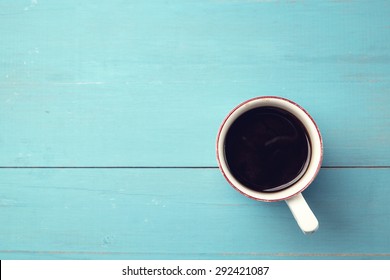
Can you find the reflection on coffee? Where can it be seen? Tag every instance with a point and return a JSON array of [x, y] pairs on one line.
[[267, 149]]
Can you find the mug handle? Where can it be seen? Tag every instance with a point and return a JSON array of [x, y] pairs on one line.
[[302, 213]]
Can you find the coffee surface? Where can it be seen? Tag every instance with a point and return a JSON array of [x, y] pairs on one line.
[[267, 149]]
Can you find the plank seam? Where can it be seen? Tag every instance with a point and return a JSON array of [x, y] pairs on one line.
[[179, 167]]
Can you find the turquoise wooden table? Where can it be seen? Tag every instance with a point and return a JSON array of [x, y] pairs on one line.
[[109, 112]]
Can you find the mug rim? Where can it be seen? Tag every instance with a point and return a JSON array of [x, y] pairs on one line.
[[314, 137]]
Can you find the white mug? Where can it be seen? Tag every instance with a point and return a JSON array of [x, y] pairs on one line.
[[292, 194]]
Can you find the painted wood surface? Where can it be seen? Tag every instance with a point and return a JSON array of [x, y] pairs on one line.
[[109, 112], [186, 213]]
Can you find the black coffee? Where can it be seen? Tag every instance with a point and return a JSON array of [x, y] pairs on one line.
[[267, 149]]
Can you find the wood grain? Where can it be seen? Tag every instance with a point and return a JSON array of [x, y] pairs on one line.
[[185, 213], [109, 112], [148, 84]]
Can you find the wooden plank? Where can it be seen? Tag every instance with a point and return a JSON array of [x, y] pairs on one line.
[[185, 214], [147, 83]]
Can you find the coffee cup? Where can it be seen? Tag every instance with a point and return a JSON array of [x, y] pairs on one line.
[[270, 149]]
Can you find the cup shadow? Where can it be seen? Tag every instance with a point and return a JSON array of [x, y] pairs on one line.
[[327, 200]]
